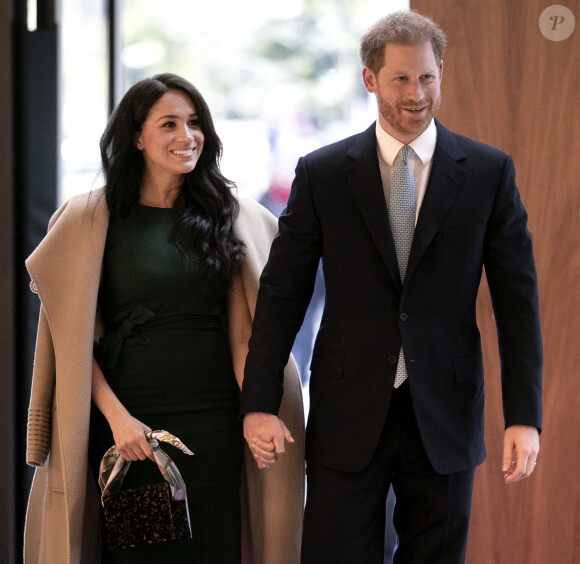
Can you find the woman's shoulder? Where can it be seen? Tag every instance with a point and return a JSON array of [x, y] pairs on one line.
[[253, 214], [256, 227], [78, 227], [89, 204], [250, 206], [82, 216]]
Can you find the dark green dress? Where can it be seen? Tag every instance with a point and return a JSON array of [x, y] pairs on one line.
[[166, 356]]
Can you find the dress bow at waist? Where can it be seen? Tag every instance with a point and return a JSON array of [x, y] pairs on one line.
[[111, 344]]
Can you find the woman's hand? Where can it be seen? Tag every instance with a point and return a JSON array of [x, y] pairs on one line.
[[130, 439]]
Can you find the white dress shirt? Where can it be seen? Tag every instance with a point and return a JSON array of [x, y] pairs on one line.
[[420, 162]]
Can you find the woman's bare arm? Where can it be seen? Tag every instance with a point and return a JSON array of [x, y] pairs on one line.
[[128, 432]]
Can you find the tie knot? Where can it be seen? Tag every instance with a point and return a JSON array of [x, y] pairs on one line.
[[405, 153]]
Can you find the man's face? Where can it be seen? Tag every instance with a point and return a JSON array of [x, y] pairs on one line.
[[407, 88]]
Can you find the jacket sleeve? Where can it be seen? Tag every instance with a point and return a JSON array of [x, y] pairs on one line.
[[40, 409], [286, 287], [511, 275]]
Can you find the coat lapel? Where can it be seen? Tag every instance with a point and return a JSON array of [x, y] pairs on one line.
[[66, 266], [364, 179], [447, 175]]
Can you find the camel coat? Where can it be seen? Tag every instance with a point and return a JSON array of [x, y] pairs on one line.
[[62, 524]]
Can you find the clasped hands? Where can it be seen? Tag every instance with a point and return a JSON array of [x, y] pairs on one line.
[[266, 435]]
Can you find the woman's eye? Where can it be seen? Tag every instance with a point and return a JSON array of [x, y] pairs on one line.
[[169, 124], [194, 122]]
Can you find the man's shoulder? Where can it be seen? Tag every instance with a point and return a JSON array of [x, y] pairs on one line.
[[342, 147], [470, 146]]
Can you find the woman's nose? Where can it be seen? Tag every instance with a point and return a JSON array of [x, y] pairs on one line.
[[186, 133]]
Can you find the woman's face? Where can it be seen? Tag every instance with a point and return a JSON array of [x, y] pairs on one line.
[[171, 138]]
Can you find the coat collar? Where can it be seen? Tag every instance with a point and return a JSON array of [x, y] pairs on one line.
[[65, 268], [364, 178]]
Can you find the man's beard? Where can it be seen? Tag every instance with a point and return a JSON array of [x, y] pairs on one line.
[[401, 120]]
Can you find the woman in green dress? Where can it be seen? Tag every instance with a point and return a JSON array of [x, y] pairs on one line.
[[160, 268], [174, 313]]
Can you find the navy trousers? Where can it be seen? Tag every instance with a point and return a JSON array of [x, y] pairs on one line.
[[344, 521]]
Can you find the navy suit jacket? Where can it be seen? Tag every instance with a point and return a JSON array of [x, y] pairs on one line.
[[471, 217]]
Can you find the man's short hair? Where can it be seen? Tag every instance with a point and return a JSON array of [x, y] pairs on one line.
[[404, 28]]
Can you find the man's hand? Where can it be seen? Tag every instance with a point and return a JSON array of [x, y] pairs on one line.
[[265, 434], [521, 445]]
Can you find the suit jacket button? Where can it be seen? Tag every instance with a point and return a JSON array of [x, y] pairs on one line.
[[393, 359], [404, 316]]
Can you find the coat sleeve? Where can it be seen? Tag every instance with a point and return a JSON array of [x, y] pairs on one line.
[[43, 382], [39, 412]]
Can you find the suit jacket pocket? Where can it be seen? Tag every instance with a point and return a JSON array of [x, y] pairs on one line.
[[467, 367], [327, 363]]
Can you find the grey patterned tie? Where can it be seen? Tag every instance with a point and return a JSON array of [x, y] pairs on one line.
[[402, 219]]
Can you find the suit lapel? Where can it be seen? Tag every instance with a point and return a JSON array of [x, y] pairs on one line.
[[447, 175], [364, 178]]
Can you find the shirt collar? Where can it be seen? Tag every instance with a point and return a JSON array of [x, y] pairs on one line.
[[423, 146]]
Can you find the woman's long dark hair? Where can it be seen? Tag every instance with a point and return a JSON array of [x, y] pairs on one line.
[[205, 207]]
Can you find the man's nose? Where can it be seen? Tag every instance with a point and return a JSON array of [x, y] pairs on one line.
[[415, 90]]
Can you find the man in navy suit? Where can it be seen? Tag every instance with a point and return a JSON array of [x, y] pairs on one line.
[[366, 429]]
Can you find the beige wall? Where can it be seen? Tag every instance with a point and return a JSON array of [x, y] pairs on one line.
[[506, 84]]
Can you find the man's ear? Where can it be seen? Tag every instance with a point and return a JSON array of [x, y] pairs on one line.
[[369, 80]]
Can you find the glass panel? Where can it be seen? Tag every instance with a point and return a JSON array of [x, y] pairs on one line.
[[83, 93]]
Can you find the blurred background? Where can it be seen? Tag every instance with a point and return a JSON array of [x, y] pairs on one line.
[[281, 78]]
